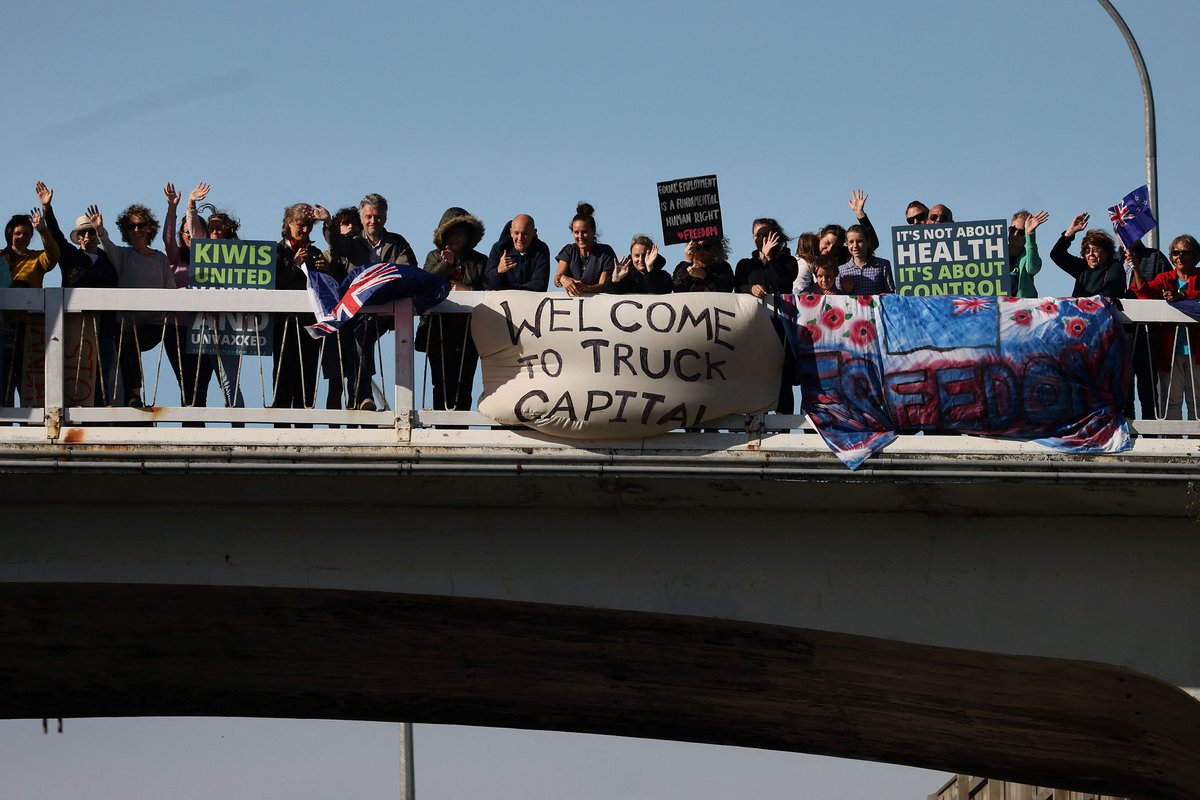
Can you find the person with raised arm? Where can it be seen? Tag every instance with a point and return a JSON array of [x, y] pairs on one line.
[[297, 354], [1023, 258], [866, 272], [27, 269], [705, 267], [518, 259], [770, 269], [585, 266], [641, 272], [1098, 271], [86, 266], [139, 266], [219, 225]]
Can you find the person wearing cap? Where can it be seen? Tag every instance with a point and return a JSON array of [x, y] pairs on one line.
[[86, 266], [446, 338]]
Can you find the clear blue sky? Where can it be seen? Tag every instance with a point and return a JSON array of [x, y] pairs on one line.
[[533, 106]]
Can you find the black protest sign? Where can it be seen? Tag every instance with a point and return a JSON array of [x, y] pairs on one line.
[[690, 209], [955, 258]]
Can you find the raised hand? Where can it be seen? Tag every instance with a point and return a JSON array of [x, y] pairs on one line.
[[651, 257], [1079, 223], [858, 203], [95, 217], [199, 193], [320, 213], [505, 264], [621, 269], [44, 194], [35, 217], [770, 242], [1033, 220], [171, 195]]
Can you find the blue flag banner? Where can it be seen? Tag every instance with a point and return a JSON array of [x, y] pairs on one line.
[[336, 304], [1131, 218], [1052, 371]]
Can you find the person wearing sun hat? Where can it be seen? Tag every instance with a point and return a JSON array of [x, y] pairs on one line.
[[85, 265], [446, 338]]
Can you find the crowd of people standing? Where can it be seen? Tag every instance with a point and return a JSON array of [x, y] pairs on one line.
[[831, 260]]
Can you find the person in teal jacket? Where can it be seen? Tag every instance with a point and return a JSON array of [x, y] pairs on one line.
[[1024, 261]]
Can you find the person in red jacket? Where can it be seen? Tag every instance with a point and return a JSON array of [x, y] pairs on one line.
[[1176, 347]]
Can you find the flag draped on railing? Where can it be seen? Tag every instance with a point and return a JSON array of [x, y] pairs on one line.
[[1053, 371], [336, 304]]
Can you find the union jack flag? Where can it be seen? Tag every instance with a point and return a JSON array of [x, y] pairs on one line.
[[1132, 218], [371, 284]]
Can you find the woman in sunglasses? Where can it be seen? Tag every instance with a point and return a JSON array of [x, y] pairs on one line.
[[705, 268], [139, 266], [1176, 347]]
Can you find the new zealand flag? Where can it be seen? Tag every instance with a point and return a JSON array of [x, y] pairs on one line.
[[1131, 218]]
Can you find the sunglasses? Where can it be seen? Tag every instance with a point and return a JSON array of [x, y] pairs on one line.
[[84, 232], [139, 226], [1180, 253], [917, 219], [935, 217]]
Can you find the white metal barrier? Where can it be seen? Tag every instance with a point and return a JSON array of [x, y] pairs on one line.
[[54, 414]]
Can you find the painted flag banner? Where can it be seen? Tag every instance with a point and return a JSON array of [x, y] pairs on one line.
[[1052, 371], [1131, 218], [370, 284]]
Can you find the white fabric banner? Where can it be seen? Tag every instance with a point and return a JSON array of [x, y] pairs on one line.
[[624, 366]]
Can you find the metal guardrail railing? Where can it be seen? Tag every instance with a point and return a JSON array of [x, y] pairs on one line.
[[399, 410]]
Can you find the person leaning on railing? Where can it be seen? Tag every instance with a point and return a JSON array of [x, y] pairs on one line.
[[641, 272], [27, 268], [446, 338], [518, 259], [86, 266], [769, 272], [585, 266], [1176, 347]]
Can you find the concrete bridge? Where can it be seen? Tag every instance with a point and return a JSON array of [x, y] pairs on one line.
[[970, 605]]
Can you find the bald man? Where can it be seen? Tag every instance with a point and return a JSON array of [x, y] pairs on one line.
[[520, 260], [940, 214]]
